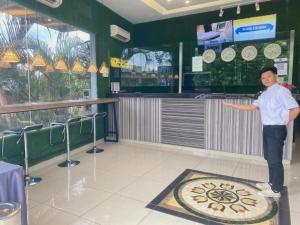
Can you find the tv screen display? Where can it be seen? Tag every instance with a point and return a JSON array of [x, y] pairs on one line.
[[215, 33], [255, 28]]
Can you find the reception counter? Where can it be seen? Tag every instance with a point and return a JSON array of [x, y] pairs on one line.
[[194, 120]]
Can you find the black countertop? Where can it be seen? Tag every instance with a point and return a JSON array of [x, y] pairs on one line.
[[186, 95]]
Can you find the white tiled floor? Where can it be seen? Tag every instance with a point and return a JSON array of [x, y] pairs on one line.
[[113, 187]]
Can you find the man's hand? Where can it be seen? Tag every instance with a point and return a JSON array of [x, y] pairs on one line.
[[227, 103], [293, 113]]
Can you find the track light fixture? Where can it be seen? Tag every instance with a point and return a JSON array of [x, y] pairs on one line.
[[257, 6], [238, 10], [221, 12]]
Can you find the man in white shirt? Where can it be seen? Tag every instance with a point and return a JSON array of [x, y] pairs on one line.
[[277, 108]]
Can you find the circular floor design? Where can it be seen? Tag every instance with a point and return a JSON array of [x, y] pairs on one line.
[[224, 200]]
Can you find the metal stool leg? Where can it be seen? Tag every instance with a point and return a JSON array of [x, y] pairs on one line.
[[94, 149], [29, 181], [68, 162]]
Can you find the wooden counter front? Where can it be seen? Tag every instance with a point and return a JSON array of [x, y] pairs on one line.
[[54, 105]]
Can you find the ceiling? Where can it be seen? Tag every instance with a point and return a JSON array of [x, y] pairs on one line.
[[140, 11], [14, 9]]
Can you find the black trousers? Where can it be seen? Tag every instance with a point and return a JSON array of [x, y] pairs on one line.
[[273, 141]]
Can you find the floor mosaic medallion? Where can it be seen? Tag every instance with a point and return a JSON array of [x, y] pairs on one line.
[[215, 199]]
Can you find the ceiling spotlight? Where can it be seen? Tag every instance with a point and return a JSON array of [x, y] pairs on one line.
[[257, 6], [221, 12], [238, 10], [187, 1]]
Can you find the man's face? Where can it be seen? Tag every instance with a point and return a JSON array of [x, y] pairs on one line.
[[268, 78]]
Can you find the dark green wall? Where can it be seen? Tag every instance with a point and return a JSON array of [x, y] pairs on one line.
[[183, 29]]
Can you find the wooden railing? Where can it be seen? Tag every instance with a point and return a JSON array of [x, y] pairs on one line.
[[14, 108]]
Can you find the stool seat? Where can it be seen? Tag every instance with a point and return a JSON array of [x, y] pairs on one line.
[[89, 115], [20, 130], [33, 127], [72, 120], [16, 130]]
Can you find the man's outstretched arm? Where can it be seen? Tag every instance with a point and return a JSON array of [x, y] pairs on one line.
[[241, 107]]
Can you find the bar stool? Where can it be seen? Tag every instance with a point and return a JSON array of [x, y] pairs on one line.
[[68, 162], [94, 117], [22, 132]]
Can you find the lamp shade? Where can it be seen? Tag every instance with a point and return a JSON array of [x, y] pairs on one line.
[[78, 68], [11, 56], [39, 61], [92, 68], [104, 69], [61, 65], [49, 69]]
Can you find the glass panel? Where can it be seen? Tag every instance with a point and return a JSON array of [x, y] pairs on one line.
[[148, 69], [13, 76], [40, 42]]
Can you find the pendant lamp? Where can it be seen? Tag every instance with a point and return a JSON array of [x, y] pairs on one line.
[[61, 66], [10, 55], [78, 68], [49, 69], [92, 68], [39, 61], [104, 69]]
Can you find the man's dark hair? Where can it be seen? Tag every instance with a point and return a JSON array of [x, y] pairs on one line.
[[272, 69]]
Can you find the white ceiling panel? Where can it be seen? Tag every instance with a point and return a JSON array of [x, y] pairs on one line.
[[140, 11]]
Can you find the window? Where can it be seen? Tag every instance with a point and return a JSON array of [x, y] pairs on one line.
[[32, 35]]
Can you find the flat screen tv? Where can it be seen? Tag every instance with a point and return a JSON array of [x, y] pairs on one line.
[[255, 28], [215, 33]]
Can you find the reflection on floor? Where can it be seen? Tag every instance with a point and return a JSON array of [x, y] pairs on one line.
[[114, 187], [214, 199]]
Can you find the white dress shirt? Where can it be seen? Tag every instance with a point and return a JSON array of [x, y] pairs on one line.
[[274, 105]]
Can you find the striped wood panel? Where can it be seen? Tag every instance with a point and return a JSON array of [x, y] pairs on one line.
[[139, 119], [236, 131], [183, 122]]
